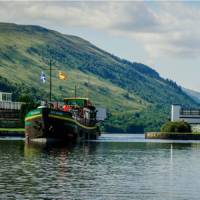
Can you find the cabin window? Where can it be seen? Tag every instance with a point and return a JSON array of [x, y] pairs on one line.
[[75, 102]]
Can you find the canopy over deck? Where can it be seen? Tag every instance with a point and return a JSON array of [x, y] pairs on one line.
[[78, 101]]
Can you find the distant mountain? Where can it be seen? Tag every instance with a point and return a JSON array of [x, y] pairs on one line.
[[194, 94], [134, 94]]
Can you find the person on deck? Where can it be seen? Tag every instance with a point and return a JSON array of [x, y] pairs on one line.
[[66, 108]]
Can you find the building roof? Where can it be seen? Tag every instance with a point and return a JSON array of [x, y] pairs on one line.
[[5, 92]]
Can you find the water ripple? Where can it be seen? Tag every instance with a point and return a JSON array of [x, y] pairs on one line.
[[109, 169]]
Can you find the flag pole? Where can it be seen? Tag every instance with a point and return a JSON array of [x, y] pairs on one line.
[[75, 91]]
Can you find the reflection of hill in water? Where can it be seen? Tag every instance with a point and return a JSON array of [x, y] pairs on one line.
[[147, 145], [11, 147], [195, 146]]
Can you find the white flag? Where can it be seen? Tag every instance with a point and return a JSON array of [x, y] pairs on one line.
[[43, 77]]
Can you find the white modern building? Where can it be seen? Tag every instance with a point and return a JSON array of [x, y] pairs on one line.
[[5, 96], [180, 113]]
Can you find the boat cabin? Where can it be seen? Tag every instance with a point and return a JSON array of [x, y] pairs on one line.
[[77, 102], [81, 109]]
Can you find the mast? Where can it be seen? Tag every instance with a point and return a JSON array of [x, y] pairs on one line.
[[49, 59], [50, 82]]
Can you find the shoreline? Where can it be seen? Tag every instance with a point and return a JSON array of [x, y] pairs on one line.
[[20, 132]]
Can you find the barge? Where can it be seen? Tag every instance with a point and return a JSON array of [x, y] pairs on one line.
[[74, 122]]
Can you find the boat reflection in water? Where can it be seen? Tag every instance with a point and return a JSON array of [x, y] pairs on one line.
[[58, 149]]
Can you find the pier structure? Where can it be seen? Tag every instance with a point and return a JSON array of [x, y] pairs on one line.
[[6, 102], [9, 111]]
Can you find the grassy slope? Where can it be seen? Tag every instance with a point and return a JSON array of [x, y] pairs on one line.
[[124, 88]]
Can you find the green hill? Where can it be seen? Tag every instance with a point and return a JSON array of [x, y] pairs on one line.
[[133, 93]]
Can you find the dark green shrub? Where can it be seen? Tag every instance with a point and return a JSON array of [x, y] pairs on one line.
[[28, 106], [179, 127]]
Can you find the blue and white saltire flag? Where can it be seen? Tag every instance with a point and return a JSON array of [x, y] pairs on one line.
[[43, 77]]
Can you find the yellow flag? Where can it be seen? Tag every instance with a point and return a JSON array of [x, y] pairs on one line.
[[62, 75]]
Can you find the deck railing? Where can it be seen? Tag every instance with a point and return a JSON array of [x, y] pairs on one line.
[[10, 105]]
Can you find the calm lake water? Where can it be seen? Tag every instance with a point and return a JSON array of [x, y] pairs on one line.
[[123, 167]]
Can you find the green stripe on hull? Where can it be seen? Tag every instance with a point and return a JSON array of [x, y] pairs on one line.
[[32, 117], [74, 121], [34, 112]]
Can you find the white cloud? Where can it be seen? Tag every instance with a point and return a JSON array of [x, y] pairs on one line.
[[162, 28]]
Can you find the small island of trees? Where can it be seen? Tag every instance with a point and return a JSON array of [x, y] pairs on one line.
[[176, 127]]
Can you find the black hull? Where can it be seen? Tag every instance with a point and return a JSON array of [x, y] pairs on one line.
[[58, 126]]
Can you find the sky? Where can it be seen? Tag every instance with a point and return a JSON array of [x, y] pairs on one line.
[[164, 35]]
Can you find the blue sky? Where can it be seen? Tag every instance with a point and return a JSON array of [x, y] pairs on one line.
[[163, 35]]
